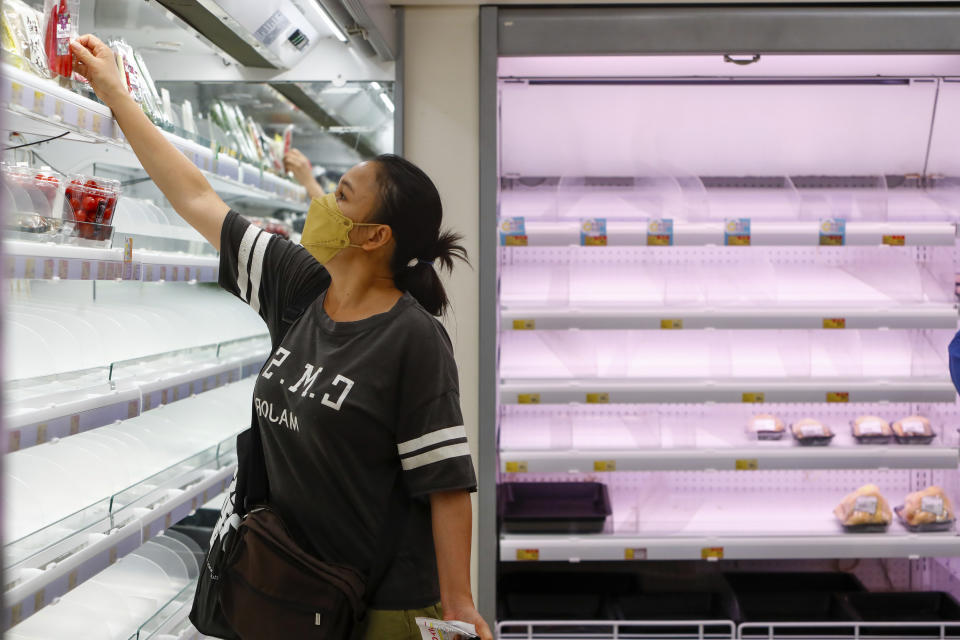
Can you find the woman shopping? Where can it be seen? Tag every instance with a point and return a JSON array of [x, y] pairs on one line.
[[361, 396]]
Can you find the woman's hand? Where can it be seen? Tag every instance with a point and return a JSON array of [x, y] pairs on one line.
[[94, 61], [297, 164], [468, 613]]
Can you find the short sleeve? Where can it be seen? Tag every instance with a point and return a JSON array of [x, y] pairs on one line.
[[431, 439], [266, 271]]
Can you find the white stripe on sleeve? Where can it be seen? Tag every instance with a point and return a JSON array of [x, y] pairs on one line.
[[434, 437], [436, 455], [256, 266], [243, 256]]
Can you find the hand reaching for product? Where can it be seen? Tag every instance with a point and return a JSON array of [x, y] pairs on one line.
[[298, 164], [94, 61]]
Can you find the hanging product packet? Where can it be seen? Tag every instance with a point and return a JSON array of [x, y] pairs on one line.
[[433, 629], [59, 28], [22, 40]]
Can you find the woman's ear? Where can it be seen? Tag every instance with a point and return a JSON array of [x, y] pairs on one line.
[[379, 236]]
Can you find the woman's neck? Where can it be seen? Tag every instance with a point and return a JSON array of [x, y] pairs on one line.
[[357, 292]]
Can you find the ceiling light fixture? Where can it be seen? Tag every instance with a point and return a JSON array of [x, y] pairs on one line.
[[327, 20], [387, 101], [376, 86]]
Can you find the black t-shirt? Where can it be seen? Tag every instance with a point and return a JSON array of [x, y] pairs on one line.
[[344, 406]]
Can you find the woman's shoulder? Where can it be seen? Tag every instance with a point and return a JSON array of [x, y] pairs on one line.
[[419, 326]]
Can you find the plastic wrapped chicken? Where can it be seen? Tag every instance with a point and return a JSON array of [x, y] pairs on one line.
[[864, 510], [927, 510]]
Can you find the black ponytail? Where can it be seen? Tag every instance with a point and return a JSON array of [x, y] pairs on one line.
[[410, 206]]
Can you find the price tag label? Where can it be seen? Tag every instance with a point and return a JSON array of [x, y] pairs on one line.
[[593, 232], [660, 232], [113, 555], [85, 270], [39, 600], [48, 266], [63, 267], [747, 464], [711, 553], [16, 93], [39, 98], [516, 467], [73, 579], [671, 323], [58, 109], [838, 396], [524, 325], [74, 424], [42, 432], [895, 241], [598, 398], [14, 444], [635, 554], [528, 554], [833, 232], [513, 232], [528, 398], [736, 232], [834, 323], [132, 409], [30, 269], [81, 118], [753, 396], [101, 270], [604, 465], [97, 125]]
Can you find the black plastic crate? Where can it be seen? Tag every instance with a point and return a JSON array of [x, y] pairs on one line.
[[796, 606], [792, 581], [561, 595], [904, 607], [553, 507]]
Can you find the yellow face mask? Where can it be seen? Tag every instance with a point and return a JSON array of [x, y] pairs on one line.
[[327, 231]]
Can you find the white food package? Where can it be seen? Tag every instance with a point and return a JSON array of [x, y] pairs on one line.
[[433, 629]]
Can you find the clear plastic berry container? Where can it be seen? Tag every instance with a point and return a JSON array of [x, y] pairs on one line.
[[89, 202]]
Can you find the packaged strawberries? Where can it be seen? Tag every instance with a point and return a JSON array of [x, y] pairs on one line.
[[90, 202]]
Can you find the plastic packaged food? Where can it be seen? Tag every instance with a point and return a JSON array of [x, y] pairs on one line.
[[90, 202], [22, 41], [927, 510], [810, 432], [913, 430], [59, 28], [765, 426], [871, 430], [864, 511]]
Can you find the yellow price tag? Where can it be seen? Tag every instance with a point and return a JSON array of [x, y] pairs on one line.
[[58, 109], [39, 97], [838, 396], [528, 398], [753, 396], [14, 441], [524, 325], [738, 241], [895, 241], [528, 554], [671, 323], [81, 118], [635, 554], [711, 553], [515, 241], [834, 323], [598, 398], [604, 465], [658, 240], [97, 118], [595, 241], [746, 464], [16, 93], [516, 467]]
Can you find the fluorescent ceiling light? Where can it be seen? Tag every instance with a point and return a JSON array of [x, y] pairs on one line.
[[387, 101], [376, 86], [327, 20]]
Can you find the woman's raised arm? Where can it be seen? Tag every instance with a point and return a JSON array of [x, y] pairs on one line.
[[180, 181]]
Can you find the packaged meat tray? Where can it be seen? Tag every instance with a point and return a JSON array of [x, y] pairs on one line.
[[871, 430], [927, 510], [554, 507], [810, 432], [864, 511], [913, 430], [765, 426]]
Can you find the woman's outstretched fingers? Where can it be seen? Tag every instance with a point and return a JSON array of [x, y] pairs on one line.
[[94, 61]]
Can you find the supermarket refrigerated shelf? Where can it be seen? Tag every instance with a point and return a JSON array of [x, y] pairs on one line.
[[54, 557], [558, 233], [42, 108], [49, 261], [57, 406], [739, 390], [782, 455], [833, 316]]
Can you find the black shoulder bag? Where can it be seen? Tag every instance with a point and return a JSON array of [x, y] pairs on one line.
[[258, 582]]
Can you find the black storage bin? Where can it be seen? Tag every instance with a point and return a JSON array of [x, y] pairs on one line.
[[677, 598], [553, 507], [199, 526], [920, 606], [793, 597], [561, 595]]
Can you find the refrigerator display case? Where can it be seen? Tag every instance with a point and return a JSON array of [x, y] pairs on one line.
[[127, 372], [704, 242]]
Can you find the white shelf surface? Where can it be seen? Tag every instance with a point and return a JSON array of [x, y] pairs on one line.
[[558, 233], [831, 316], [138, 477], [727, 524], [41, 107]]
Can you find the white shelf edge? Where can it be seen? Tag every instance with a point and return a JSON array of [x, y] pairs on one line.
[[606, 547], [834, 316], [890, 456]]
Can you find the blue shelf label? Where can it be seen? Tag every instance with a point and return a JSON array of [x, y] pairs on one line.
[[513, 232], [593, 232], [660, 232], [736, 232], [833, 232]]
